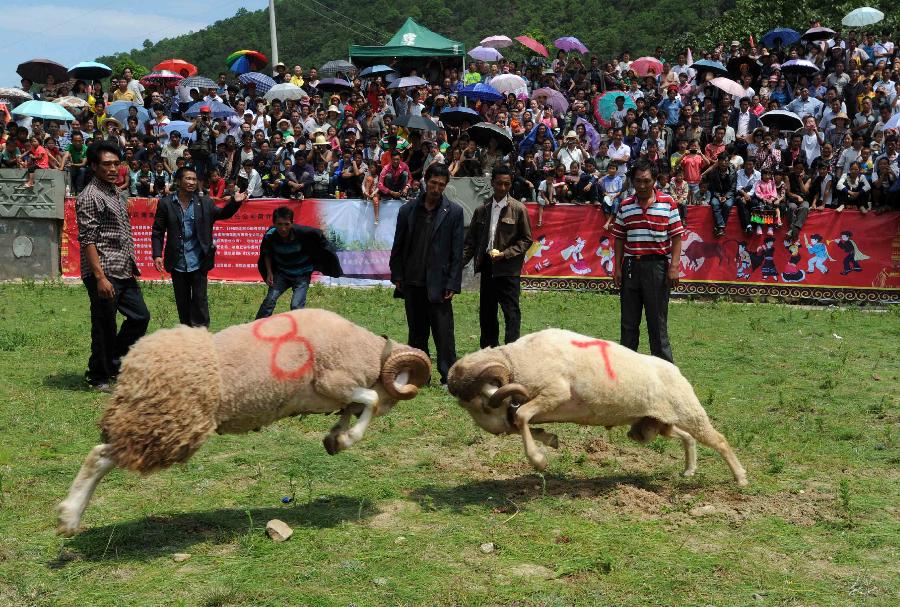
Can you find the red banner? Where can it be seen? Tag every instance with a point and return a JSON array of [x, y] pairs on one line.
[[838, 253]]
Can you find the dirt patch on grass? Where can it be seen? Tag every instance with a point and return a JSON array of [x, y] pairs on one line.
[[396, 515]]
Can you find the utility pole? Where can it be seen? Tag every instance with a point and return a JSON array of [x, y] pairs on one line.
[[274, 36]]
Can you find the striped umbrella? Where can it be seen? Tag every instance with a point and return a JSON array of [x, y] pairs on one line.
[[262, 82], [198, 82]]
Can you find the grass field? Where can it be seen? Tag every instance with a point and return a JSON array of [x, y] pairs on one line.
[[807, 397]]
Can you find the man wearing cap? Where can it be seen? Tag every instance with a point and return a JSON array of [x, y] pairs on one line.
[[570, 152], [280, 75], [184, 222]]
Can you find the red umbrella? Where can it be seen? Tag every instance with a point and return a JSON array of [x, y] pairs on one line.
[[533, 44], [162, 78], [179, 66], [643, 66]]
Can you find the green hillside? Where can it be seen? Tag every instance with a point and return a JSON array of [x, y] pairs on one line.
[[311, 32]]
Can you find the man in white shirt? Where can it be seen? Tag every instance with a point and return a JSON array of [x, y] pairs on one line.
[[497, 239], [620, 152], [570, 152], [745, 183], [812, 140]]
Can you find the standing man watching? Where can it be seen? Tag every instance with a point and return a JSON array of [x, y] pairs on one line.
[[184, 220], [647, 252], [108, 267], [498, 237], [426, 266]]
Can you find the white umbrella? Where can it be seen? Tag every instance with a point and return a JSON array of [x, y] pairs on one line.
[[509, 83], [72, 103], [14, 95], [862, 17], [285, 91], [729, 86], [497, 41]]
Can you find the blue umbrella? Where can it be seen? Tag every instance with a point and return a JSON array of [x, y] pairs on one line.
[[482, 92], [216, 109], [786, 35], [119, 111], [263, 83], [180, 126], [456, 116], [90, 70], [708, 65], [375, 70], [241, 65], [45, 110]]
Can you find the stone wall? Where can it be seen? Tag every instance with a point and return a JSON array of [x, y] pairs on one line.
[[30, 225]]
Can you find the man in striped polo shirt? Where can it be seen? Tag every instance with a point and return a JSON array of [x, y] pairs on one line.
[[648, 249]]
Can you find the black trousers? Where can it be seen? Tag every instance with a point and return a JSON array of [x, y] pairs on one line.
[[190, 297], [503, 291], [424, 317], [107, 345], [644, 287]]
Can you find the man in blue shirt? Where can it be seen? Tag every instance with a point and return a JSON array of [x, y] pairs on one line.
[[671, 106], [184, 222]]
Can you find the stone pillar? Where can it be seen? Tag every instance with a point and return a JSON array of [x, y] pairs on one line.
[[30, 224]]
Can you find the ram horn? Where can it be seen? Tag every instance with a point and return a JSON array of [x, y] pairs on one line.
[[507, 391], [411, 361]]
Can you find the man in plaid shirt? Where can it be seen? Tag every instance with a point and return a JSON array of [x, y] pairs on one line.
[[108, 267], [647, 254]]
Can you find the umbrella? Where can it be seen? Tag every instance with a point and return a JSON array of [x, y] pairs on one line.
[[481, 92], [643, 66], [241, 62], [45, 110], [285, 91], [162, 78], [785, 35], [338, 66], [509, 83], [736, 63], [119, 111], [333, 85], [13, 95], [570, 43], [817, 33], [483, 132], [708, 65], [407, 82], [90, 70], [485, 53], [799, 66], [605, 105], [376, 70], [216, 109], [262, 82], [497, 42], [416, 122], [178, 66], [782, 120], [553, 98], [592, 134], [533, 45], [71, 103], [37, 70], [198, 82], [180, 126], [456, 116], [862, 17], [729, 86]]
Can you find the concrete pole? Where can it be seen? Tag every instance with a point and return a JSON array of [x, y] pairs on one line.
[[273, 34]]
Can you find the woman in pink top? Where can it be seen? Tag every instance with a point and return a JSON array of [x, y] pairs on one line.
[[765, 194]]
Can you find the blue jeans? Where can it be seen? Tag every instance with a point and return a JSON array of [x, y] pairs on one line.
[[300, 285], [721, 208]]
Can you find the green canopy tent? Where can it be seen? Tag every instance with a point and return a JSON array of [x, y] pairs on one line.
[[411, 41]]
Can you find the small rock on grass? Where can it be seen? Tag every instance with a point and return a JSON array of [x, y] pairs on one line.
[[278, 530], [488, 547], [703, 510], [400, 540], [757, 597], [180, 557], [380, 581]]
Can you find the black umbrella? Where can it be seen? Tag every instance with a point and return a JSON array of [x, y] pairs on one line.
[[336, 67], [416, 122], [782, 120], [817, 33], [735, 64], [456, 116], [707, 65], [37, 70], [483, 132], [333, 85]]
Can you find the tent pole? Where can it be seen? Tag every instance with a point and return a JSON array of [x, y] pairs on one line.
[[463, 76]]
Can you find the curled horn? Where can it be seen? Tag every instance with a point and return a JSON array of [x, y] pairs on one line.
[[414, 362], [506, 391]]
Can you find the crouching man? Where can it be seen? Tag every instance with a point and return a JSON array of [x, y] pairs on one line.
[[288, 255]]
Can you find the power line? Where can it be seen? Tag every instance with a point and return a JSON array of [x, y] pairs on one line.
[[346, 17], [343, 25]]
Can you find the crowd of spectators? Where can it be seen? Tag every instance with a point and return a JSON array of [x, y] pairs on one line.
[[710, 147]]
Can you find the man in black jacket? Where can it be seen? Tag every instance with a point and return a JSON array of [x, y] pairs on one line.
[[426, 266], [184, 220], [288, 255]]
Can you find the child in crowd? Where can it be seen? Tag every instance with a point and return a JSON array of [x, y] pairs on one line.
[[679, 191], [561, 192], [143, 179], [822, 187], [36, 157], [216, 185], [765, 198], [545, 197], [161, 180], [321, 181], [612, 188], [370, 186]]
